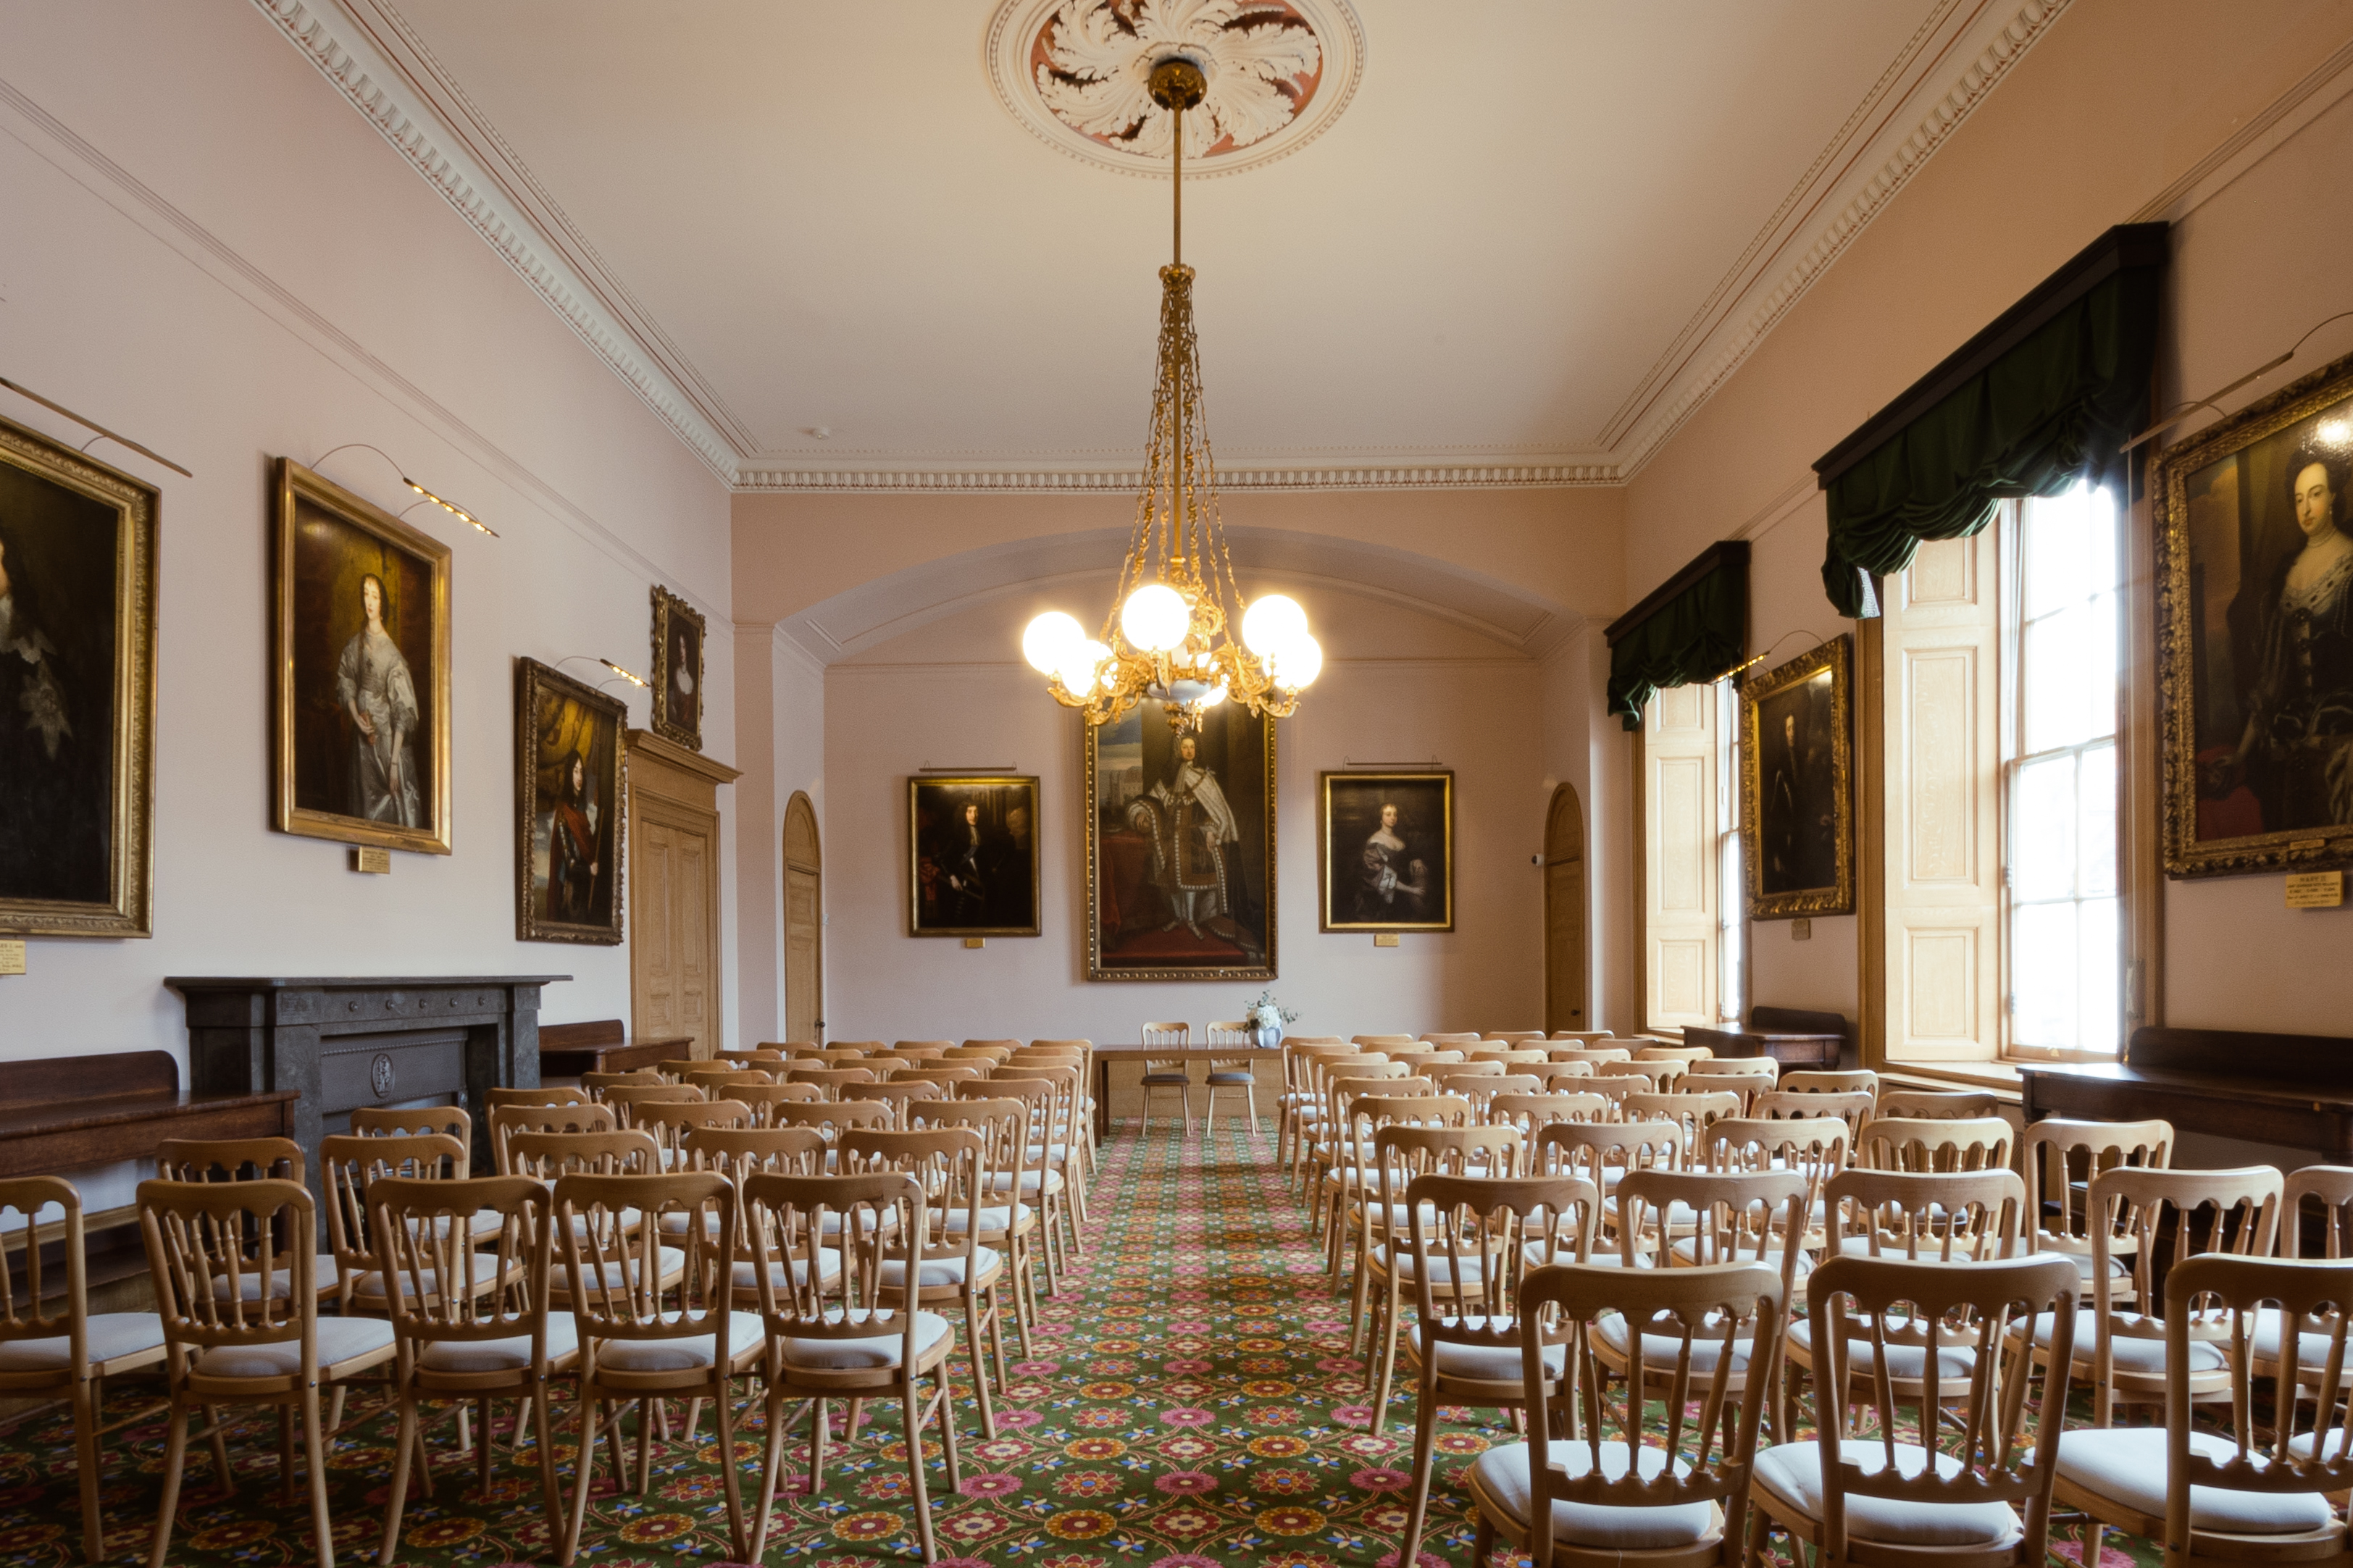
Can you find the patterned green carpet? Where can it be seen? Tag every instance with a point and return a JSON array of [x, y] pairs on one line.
[[1192, 1404]]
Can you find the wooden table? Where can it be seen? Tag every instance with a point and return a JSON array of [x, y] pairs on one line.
[[1791, 1051], [568, 1050], [1106, 1054], [2290, 1089]]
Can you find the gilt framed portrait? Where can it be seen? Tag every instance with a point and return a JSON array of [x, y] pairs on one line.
[[78, 554], [571, 767], [678, 669], [1386, 851], [1180, 846], [1796, 786], [361, 666], [2254, 629], [972, 855]]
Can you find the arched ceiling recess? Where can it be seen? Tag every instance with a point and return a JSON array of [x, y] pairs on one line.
[[874, 611]]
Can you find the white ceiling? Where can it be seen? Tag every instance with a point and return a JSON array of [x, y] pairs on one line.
[[1540, 233]]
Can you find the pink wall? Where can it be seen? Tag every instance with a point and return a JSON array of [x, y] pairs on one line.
[[2213, 116], [206, 248]]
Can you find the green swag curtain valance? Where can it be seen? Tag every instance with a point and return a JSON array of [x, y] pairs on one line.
[[1694, 629], [2051, 410]]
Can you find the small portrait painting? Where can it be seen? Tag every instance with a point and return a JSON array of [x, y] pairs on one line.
[[570, 767], [1797, 792], [972, 844], [677, 671], [2255, 632], [362, 677], [1388, 851], [1180, 846], [77, 692]]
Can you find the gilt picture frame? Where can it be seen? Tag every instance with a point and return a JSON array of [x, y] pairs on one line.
[[2254, 636], [78, 625], [571, 808], [360, 661], [1796, 786], [973, 855], [1180, 852], [1384, 850], [678, 631]]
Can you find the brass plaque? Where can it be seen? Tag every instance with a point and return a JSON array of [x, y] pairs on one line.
[[372, 859], [976, 940], [12, 957], [1385, 939], [2315, 889]]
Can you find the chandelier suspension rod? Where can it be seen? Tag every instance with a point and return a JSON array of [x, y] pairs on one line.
[[1173, 535]]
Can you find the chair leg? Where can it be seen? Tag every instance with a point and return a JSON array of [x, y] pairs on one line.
[[176, 1457], [1388, 1337], [978, 1358], [724, 1416], [315, 1445], [997, 1334], [86, 1410], [946, 1403], [772, 1460], [1425, 1439], [551, 1493], [226, 1477], [397, 1498], [913, 1405], [584, 1473]]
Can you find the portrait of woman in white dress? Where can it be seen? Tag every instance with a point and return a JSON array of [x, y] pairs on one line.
[[374, 685]]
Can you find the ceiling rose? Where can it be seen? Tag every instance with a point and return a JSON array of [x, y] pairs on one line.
[[1075, 73]]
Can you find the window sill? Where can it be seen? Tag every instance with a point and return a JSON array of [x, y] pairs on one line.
[[2002, 1078]]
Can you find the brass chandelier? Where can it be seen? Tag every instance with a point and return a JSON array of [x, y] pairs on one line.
[[1171, 632]]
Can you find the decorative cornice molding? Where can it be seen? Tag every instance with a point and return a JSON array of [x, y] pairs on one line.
[[1636, 438], [395, 104], [1048, 481]]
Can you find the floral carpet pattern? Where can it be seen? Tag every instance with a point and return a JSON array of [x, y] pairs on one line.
[[1190, 1402]]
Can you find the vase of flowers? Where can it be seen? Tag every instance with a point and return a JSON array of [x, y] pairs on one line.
[[1270, 1015]]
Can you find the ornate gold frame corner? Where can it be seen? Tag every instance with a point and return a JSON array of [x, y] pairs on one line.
[[1837, 655], [296, 483], [665, 605], [531, 677], [2182, 855], [1325, 922], [129, 909], [1089, 732]]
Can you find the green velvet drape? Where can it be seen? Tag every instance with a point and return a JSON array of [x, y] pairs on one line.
[[1697, 636], [2049, 412]]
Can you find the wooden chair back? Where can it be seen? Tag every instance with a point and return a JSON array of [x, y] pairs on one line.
[[669, 1123], [1862, 1307], [369, 1121], [1927, 1104], [713, 1078], [614, 1230], [2149, 1219], [1460, 1038], [1471, 1237], [676, 1071], [1166, 1034], [1375, 1042], [1661, 1071], [508, 1121], [1590, 1149], [793, 1222], [430, 1238], [33, 1307], [1713, 1217], [831, 1118], [230, 1160], [625, 1099], [1695, 1113], [764, 1098], [1581, 1037], [1815, 1148], [1561, 1077], [950, 1163], [548, 1156], [1740, 1085], [1853, 1108], [907, 1047], [1593, 1056], [944, 1076], [738, 1151], [1935, 1143], [553, 1094], [1531, 1113], [2062, 1157], [1515, 1036], [351, 1163], [1927, 1216], [1765, 1067], [234, 1264], [596, 1083], [1831, 1080], [830, 1079], [2328, 1190], [1685, 1054], [897, 1096], [761, 1054]]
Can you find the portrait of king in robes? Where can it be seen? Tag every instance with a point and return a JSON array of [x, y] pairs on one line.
[[1181, 847]]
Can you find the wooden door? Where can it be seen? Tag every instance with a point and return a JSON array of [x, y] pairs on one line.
[[1564, 889], [804, 924], [674, 938]]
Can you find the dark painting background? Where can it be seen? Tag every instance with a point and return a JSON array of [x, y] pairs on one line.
[[563, 725], [1356, 814], [1801, 834], [685, 709], [330, 557], [57, 813], [1006, 863]]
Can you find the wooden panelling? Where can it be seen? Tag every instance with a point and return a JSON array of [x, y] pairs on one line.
[[1943, 572], [675, 957], [1940, 689]]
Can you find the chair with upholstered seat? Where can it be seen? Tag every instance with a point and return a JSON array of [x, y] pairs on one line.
[[1603, 1153], [1231, 1075], [1935, 1143], [232, 1336], [1410, 1138], [1919, 1499], [2328, 1190], [350, 1165], [479, 1341], [1627, 1491], [668, 1122], [2250, 1492], [1293, 1108], [2062, 1159], [638, 1343], [51, 1346], [897, 1096], [1660, 1071], [1346, 1158], [822, 1345], [508, 1120], [1007, 1226], [1030, 1178], [1164, 1075], [1775, 1104]]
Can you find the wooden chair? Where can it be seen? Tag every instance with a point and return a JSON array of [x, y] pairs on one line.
[[350, 1165], [829, 1119], [761, 1099], [1326, 1148], [1375, 1042], [1515, 1036], [714, 1078], [214, 1249], [677, 1069], [556, 1094], [1927, 1502], [1853, 1108], [667, 1123], [1662, 1071], [1231, 1075], [830, 1080], [1935, 1143], [1605, 1153], [596, 1083], [479, 1341], [1034, 1180], [1007, 1228], [2159, 1214], [1815, 1148], [1936, 1104], [451, 1121], [1069, 1143], [507, 1122], [1665, 1494], [1593, 1056], [1529, 1114], [1468, 1242], [1695, 1113], [943, 1073], [1347, 1157], [2061, 1156], [636, 1345], [1581, 1037], [1311, 1119], [1375, 1215], [897, 1096], [819, 1346], [2330, 1189], [1828, 1080], [623, 1100], [952, 1268], [1765, 1067], [1561, 1077], [2205, 1497], [906, 1047], [1295, 1108], [231, 1160], [1742, 1087], [51, 1347], [751, 1057], [1165, 1073], [1686, 1055]]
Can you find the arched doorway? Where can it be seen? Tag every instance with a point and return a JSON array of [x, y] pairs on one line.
[[1563, 887], [804, 924]]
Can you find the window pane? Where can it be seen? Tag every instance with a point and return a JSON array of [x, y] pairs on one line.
[[2101, 961], [2052, 692], [2042, 830], [2055, 566], [2096, 803], [2044, 975]]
